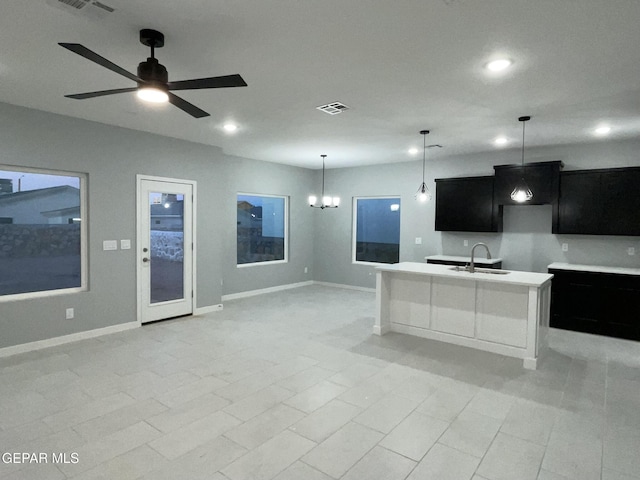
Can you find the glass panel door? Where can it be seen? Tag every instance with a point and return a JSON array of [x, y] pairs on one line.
[[165, 249], [166, 232]]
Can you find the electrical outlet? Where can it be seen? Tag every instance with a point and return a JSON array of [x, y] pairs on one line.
[[631, 251], [465, 243], [418, 240], [306, 269], [69, 314], [565, 247]]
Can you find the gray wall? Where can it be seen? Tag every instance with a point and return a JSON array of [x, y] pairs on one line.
[[112, 157], [319, 239], [526, 242]]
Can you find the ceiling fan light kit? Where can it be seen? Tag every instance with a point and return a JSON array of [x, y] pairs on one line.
[[152, 77]]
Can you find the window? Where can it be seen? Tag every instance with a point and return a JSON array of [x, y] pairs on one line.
[[42, 235], [262, 229], [376, 230]]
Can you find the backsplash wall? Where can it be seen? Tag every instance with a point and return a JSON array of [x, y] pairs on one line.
[[527, 243]]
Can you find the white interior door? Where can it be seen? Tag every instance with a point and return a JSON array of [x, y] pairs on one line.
[[165, 249]]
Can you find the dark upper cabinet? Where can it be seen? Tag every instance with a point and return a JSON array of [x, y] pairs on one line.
[[466, 205], [600, 202], [580, 209], [543, 179]]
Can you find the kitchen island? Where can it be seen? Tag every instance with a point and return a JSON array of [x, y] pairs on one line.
[[500, 311]]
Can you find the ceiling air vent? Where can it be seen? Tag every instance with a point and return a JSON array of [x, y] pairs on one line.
[[333, 108], [84, 8]]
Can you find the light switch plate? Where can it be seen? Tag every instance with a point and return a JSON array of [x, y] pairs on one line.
[[125, 244], [418, 240], [110, 245]]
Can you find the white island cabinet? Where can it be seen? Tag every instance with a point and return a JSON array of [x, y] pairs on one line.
[[500, 311]]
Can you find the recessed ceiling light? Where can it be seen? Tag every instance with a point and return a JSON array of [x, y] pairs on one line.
[[498, 65], [230, 127], [602, 130], [413, 151], [500, 141]]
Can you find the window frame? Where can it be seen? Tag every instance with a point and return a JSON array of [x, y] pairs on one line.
[[354, 227], [84, 281], [285, 231]]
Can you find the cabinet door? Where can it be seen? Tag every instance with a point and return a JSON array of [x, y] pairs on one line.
[[621, 301], [620, 196], [465, 205], [581, 206], [575, 301]]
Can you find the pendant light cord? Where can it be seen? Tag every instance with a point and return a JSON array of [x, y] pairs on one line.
[[322, 198], [424, 153], [523, 125]]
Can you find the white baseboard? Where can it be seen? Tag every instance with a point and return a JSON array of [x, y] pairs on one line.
[[74, 337], [251, 293], [207, 309], [342, 285]]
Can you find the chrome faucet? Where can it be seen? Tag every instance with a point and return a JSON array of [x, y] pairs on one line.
[[472, 266]]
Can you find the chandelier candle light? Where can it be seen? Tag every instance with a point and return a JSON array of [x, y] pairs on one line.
[[327, 201], [423, 194], [522, 193]]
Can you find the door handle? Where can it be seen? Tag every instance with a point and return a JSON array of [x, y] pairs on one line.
[[146, 260]]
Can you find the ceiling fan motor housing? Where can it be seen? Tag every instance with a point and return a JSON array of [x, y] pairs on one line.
[[153, 72]]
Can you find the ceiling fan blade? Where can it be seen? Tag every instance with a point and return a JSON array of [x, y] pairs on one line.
[[211, 82], [186, 106], [94, 57], [102, 93]]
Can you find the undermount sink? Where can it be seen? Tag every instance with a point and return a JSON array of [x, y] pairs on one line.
[[480, 270]]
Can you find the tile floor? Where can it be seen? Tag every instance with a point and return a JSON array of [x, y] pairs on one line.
[[293, 386]]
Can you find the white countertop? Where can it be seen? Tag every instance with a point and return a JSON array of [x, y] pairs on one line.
[[454, 258], [595, 268], [513, 277]]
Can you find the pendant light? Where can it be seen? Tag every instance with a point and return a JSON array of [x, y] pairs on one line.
[[522, 193], [423, 194], [326, 201]]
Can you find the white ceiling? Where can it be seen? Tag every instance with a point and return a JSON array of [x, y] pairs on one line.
[[401, 65]]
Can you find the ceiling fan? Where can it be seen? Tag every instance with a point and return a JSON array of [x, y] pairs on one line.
[[152, 79]]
